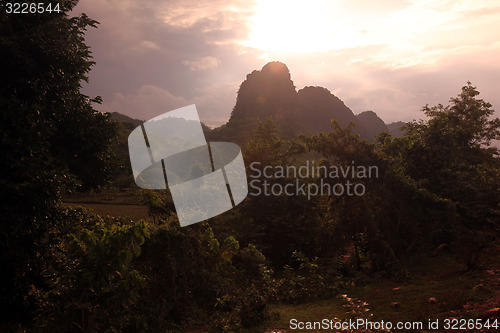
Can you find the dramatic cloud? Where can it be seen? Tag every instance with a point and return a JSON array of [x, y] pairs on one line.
[[202, 63], [178, 50], [148, 101], [389, 56]]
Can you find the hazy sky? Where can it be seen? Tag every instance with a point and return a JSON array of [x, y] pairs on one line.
[[389, 56]]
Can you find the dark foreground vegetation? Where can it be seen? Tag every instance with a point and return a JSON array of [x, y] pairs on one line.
[[427, 225]]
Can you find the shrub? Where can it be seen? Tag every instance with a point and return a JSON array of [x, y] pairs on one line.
[[91, 280]]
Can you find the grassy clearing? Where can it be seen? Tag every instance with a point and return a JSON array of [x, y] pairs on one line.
[[133, 212], [450, 294], [115, 204], [457, 294], [125, 198], [281, 314]]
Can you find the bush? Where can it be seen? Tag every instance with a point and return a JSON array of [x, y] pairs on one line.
[[91, 280], [307, 281]]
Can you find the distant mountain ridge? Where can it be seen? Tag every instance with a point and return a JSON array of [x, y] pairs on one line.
[[317, 106], [270, 92], [372, 123], [395, 128], [126, 119]]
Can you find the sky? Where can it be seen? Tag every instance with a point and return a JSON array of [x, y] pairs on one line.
[[389, 56]]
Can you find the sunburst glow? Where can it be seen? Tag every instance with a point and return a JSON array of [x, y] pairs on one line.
[[301, 27]]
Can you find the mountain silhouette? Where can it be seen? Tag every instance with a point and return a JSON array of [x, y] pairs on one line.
[[317, 106], [395, 128], [270, 92], [130, 122], [372, 123]]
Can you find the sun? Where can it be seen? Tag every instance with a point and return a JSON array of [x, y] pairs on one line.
[[291, 26]]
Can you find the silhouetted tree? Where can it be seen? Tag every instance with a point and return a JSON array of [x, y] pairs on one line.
[[450, 154], [50, 137]]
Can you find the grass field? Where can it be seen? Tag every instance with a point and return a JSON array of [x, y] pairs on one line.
[[457, 294], [133, 212], [116, 204]]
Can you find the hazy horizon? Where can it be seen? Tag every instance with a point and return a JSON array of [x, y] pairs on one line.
[[391, 57]]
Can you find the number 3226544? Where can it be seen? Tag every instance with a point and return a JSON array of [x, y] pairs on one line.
[[31, 8]]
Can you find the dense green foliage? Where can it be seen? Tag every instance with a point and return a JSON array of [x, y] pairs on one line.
[[450, 154], [91, 282], [51, 139], [71, 270]]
